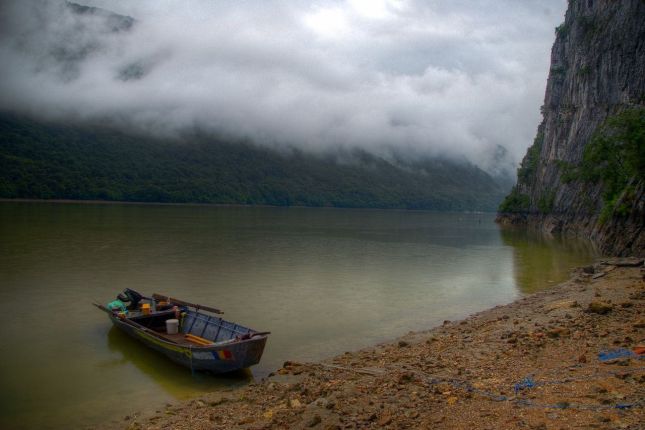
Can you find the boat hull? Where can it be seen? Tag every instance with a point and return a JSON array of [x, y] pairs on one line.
[[224, 358]]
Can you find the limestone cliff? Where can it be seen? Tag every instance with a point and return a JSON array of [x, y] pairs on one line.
[[597, 71]]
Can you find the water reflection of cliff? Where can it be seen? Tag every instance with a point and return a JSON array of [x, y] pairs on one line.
[[172, 378], [540, 261]]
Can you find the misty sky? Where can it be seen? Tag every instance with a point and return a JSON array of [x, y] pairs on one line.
[[423, 76]]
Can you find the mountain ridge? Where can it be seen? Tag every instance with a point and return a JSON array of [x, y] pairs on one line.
[[49, 160]]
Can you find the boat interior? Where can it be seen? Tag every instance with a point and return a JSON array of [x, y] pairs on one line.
[[195, 328]]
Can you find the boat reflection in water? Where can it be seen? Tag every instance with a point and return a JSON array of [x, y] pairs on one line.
[[136, 358]]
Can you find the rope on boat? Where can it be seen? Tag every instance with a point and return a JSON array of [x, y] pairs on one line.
[[365, 371], [192, 370]]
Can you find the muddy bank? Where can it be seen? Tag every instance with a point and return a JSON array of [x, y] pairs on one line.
[[566, 358]]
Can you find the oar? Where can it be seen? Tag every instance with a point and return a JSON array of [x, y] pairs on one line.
[[183, 303], [261, 333]]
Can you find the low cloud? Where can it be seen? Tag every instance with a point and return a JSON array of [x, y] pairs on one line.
[[421, 77]]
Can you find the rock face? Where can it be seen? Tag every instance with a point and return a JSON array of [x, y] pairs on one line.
[[597, 71]]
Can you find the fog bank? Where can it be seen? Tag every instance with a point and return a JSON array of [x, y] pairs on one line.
[[423, 77]]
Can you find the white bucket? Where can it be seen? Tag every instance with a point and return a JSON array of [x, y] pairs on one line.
[[172, 326]]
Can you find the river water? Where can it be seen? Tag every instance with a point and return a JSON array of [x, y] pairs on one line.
[[323, 281]]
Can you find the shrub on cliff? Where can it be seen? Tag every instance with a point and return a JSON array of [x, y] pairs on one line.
[[515, 202], [616, 158], [529, 165]]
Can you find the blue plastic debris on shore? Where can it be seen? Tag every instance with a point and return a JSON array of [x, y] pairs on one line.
[[613, 354], [524, 384]]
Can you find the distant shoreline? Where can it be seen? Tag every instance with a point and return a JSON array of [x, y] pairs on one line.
[[221, 205], [124, 202]]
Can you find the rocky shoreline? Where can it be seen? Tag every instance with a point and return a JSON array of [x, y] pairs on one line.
[[566, 358]]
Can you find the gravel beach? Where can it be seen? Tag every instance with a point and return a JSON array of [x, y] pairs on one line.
[[566, 358]]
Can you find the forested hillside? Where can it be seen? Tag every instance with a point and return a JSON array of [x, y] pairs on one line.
[[51, 161]]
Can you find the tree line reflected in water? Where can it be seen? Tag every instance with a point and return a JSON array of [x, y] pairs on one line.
[[541, 261]]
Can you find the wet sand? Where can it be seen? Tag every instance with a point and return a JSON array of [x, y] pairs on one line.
[[565, 358]]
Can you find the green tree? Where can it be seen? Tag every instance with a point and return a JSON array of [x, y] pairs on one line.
[[615, 157]]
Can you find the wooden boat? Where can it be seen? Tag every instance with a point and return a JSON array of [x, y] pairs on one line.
[[204, 341]]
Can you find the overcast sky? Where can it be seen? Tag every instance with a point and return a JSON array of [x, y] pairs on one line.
[[425, 76]]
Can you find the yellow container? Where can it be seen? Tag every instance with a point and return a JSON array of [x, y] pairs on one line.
[[145, 308]]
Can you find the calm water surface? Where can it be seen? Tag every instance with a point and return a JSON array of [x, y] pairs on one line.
[[323, 281]]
